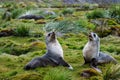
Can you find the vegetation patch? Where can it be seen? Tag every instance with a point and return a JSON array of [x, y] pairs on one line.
[[21, 40]]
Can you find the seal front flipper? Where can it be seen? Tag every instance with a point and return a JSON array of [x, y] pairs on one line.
[[32, 64], [94, 63], [85, 61], [64, 63]]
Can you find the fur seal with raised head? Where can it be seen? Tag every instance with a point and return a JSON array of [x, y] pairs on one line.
[[53, 56], [92, 54]]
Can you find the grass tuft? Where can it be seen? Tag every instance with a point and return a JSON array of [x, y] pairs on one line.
[[112, 73], [56, 74], [22, 31]]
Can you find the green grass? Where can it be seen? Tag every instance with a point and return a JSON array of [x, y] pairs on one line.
[[12, 66], [97, 13], [57, 74], [22, 31], [113, 72], [23, 49]]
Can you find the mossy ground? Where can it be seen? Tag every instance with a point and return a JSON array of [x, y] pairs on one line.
[[23, 49], [12, 66]]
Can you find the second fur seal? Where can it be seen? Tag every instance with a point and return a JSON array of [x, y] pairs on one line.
[[53, 56], [92, 54]]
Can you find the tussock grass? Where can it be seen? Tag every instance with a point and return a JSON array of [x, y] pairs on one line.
[[98, 13], [22, 31], [56, 74], [113, 72], [64, 26]]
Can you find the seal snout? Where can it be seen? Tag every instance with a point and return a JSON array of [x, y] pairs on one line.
[[53, 35], [90, 36]]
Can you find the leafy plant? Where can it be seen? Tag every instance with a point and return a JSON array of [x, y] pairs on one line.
[[17, 12], [98, 13], [22, 31], [63, 27], [114, 12]]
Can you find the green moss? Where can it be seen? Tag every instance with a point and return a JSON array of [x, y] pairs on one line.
[[27, 76], [85, 24], [112, 22], [38, 45]]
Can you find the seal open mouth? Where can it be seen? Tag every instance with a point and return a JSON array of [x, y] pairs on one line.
[[53, 35], [90, 36]]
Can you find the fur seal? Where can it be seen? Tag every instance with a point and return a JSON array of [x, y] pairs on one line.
[[30, 16], [92, 54], [53, 56]]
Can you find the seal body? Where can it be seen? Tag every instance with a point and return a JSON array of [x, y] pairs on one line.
[[91, 49], [53, 56], [92, 54]]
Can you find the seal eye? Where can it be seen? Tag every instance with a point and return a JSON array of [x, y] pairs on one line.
[[94, 35], [49, 34]]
